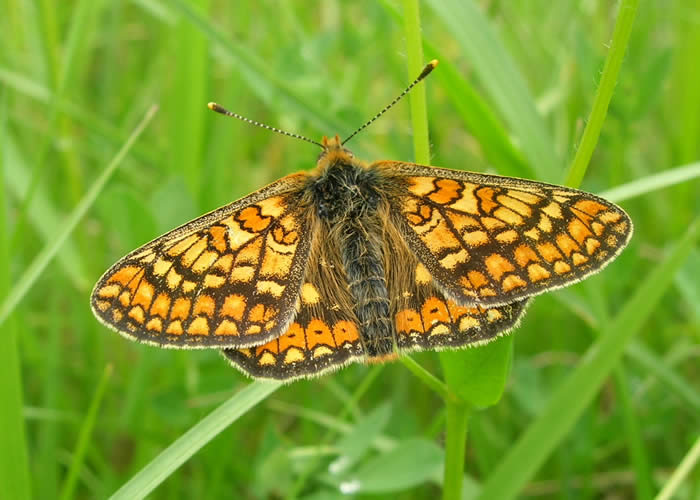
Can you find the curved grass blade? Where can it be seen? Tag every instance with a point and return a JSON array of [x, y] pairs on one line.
[[44, 257], [503, 82], [68, 489], [161, 467], [686, 466], [480, 120], [261, 79], [652, 183], [603, 95]]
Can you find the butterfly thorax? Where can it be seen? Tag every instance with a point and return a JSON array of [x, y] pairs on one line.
[[346, 196]]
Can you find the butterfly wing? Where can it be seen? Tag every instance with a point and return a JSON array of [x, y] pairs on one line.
[[324, 335], [490, 240], [424, 318], [432, 322], [228, 278]]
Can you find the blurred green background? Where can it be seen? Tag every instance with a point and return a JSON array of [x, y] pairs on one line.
[[510, 96]]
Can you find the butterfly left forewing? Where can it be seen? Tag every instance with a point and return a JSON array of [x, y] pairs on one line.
[[228, 278], [490, 240]]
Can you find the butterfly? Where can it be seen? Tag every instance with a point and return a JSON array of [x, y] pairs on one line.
[[358, 262]]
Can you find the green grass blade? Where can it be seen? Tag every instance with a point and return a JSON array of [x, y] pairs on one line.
[[426, 377], [44, 257], [651, 183], [457, 411], [684, 95], [456, 428], [416, 62], [47, 440], [148, 478], [14, 470], [613, 62], [187, 99], [78, 40], [576, 392], [261, 80], [68, 489], [502, 81], [42, 215], [34, 90], [635, 439], [684, 468], [480, 120], [48, 39], [652, 365]]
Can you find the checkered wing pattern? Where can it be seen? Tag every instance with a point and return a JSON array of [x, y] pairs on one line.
[[489, 240], [324, 336], [227, 279], [424, 318]]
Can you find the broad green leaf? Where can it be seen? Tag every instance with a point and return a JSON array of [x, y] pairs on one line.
[[479, 375], [411, 463]]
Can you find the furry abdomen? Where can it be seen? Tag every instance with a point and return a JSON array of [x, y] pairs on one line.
[[347, 201]]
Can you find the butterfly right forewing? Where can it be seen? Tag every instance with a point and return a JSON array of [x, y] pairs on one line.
[[490, 240]]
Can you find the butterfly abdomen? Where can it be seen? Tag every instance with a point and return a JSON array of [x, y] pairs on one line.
[[367, 283], [347, 201]]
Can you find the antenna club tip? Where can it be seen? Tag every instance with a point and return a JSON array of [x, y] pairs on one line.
[[428, 68], [219, 109]]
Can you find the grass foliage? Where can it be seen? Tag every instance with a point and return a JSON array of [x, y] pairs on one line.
[[601, 398]]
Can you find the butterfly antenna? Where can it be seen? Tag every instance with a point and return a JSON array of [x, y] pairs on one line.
[[426, 71], [219, 109]]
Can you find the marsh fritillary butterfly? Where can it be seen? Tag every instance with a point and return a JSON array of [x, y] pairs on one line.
[[356, 262]]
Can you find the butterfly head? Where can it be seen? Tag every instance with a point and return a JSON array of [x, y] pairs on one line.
[[334, 152]]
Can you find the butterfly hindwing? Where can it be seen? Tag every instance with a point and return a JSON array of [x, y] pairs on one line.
[[424, 318], [229, 278], [324, 335], [490, 240]]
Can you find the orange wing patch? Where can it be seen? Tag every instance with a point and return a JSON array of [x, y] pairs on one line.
[[322, 338], [309, 347], [441, 323], [230, 278], [490, 241], [425, 319]]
